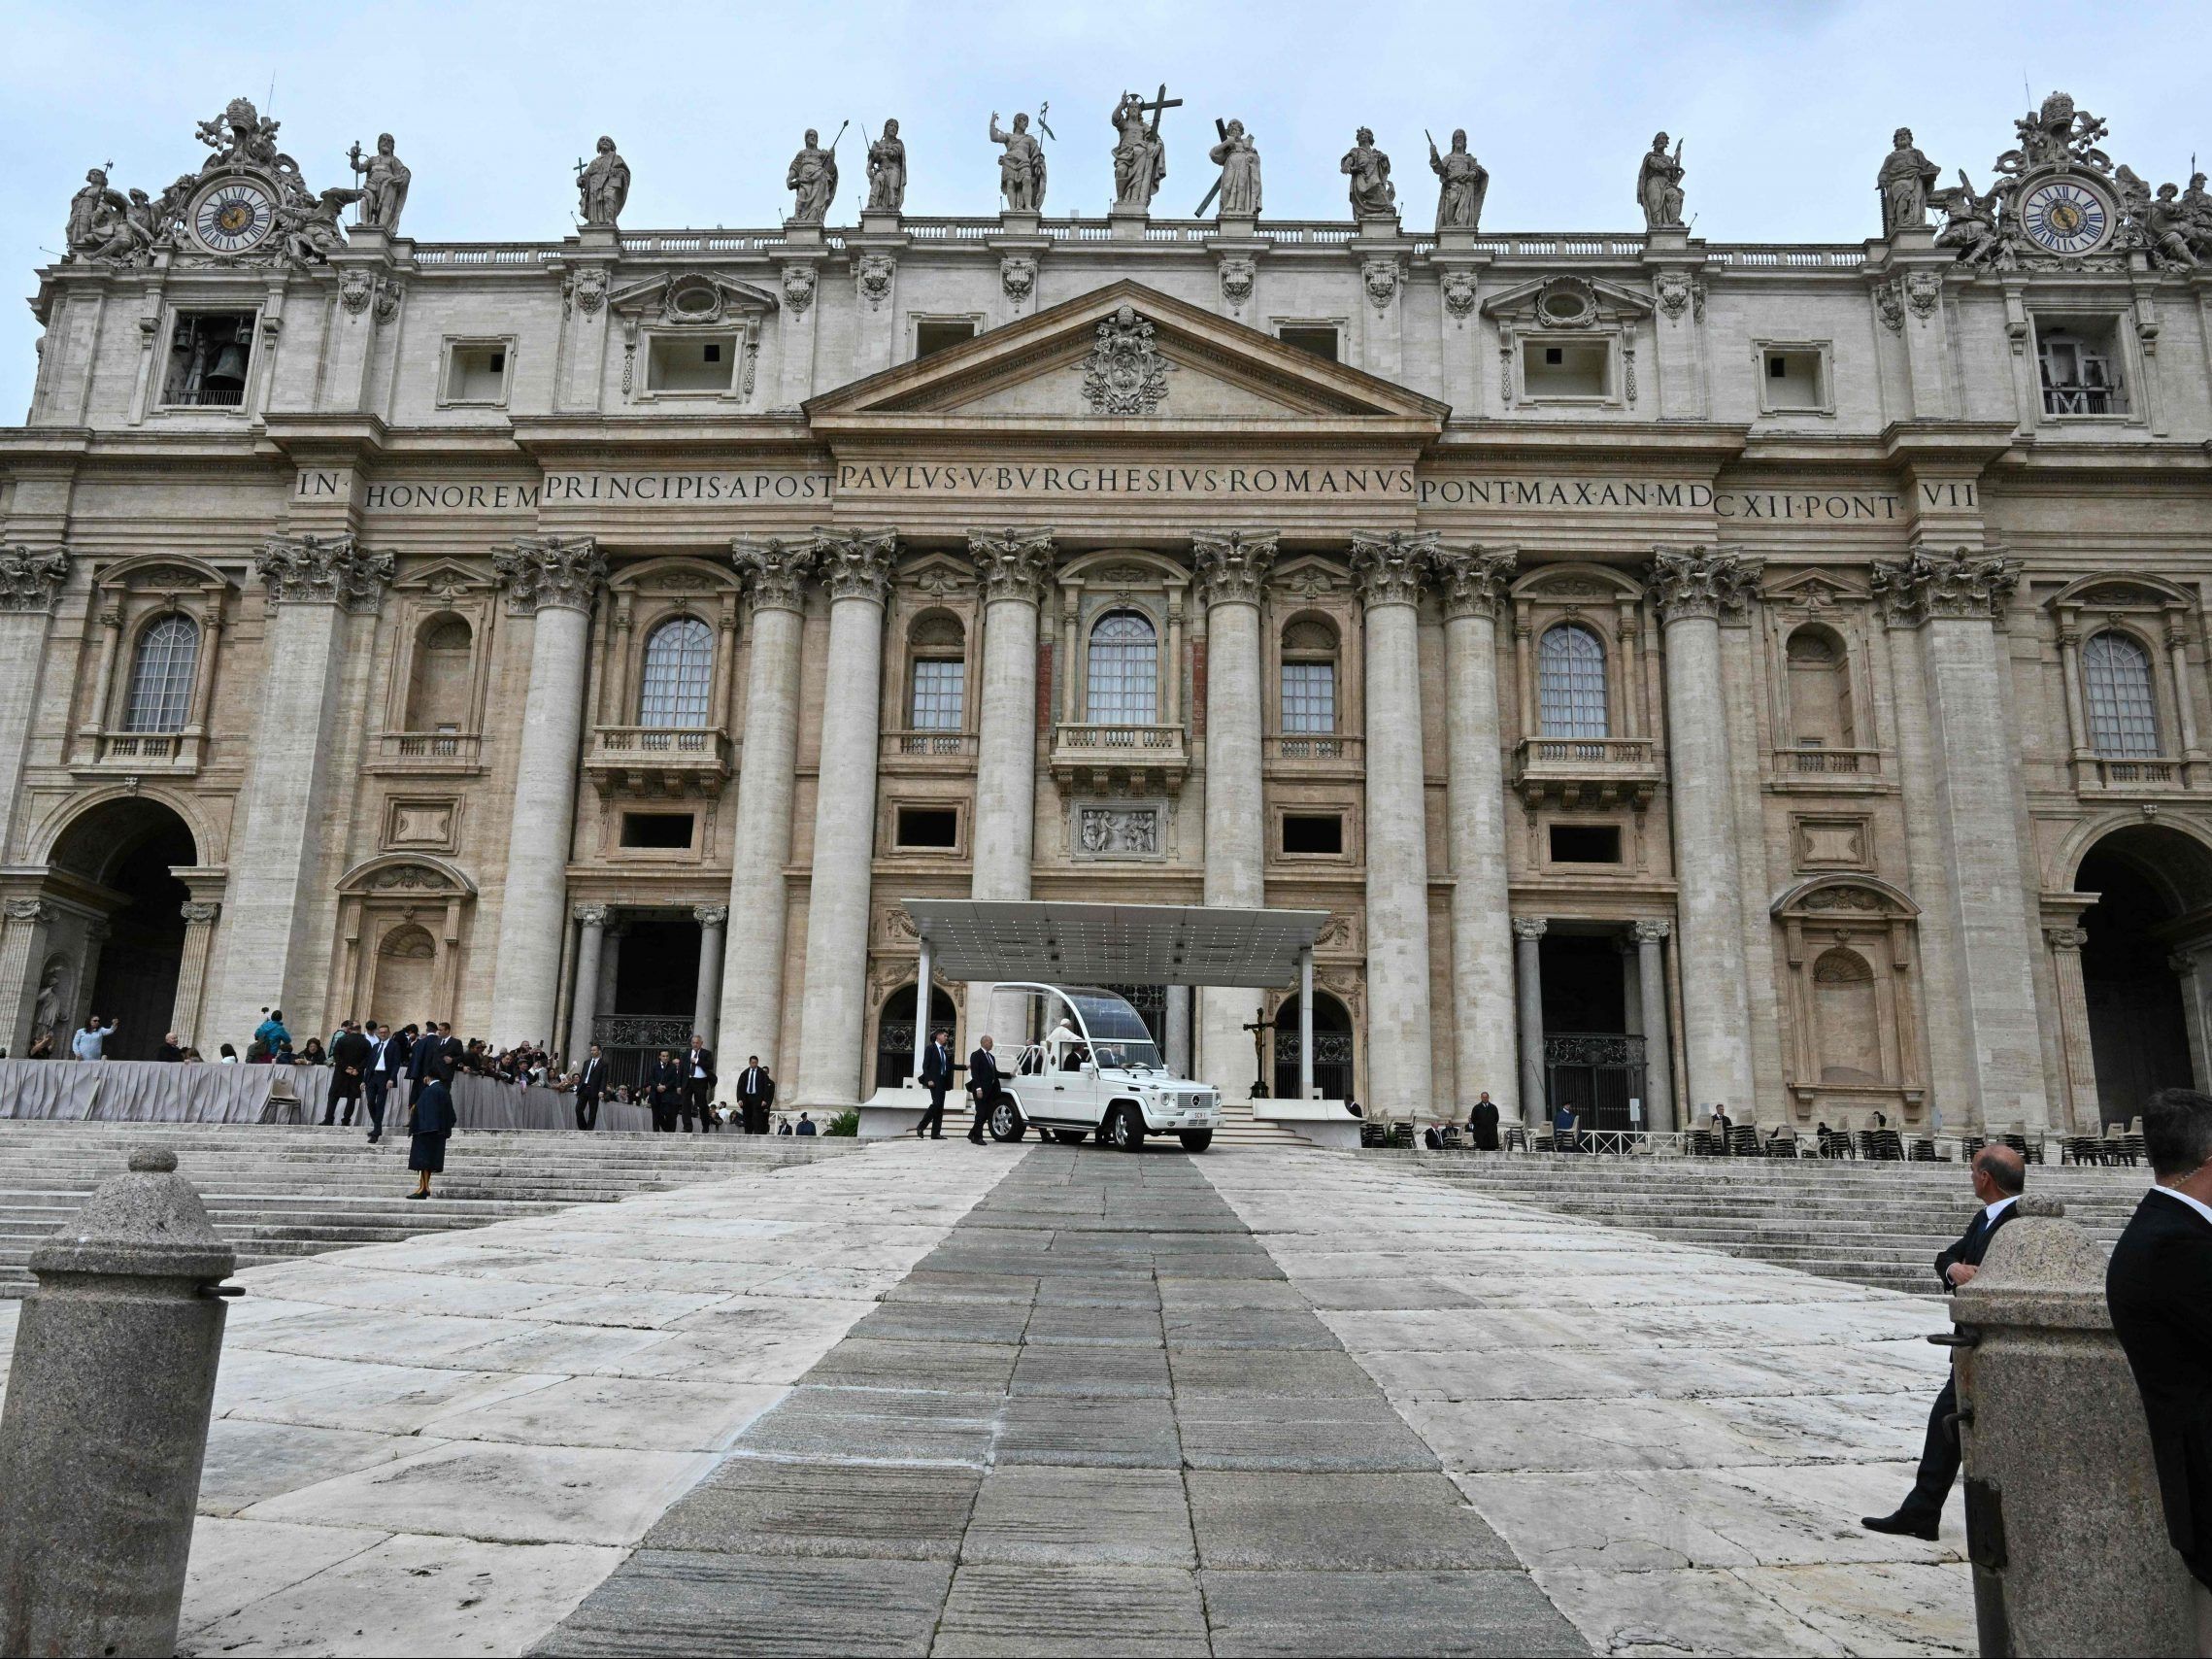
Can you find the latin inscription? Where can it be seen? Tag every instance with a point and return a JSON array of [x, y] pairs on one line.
[[1142, 483]]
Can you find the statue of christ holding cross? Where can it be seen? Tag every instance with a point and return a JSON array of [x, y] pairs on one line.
[[1140, 158]]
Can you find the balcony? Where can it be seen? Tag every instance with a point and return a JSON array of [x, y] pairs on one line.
[[1587, 771], [139, 753], [659, 759], [1316, 753], [2142, 775], [1098, 757], [911, 744], [1813, 767], [427, 753]]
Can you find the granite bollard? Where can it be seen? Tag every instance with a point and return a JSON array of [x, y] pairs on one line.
[[106, 1426], [2063, 1527]]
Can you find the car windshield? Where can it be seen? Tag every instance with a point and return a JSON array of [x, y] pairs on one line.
[[1119, 1034]]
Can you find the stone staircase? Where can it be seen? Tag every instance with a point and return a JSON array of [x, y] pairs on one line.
[[278, 1191], [1871, 1224]]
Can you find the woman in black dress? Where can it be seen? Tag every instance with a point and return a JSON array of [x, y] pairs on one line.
[[432, 1123]]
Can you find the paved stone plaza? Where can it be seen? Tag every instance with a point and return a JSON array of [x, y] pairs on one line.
[[1020, 1400]]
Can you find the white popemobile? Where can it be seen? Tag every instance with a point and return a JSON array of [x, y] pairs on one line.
[[1097, 1071]]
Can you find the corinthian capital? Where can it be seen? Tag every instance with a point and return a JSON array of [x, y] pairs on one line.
[[31, 581], [1699, 582], [323, 571], [1388, 569], [1232, 565], [774, 571], [1012, 564], [562, 572], [1471, 580], [1960, 583], [855, 568]]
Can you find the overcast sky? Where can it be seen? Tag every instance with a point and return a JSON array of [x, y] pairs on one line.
[[1787, 109]]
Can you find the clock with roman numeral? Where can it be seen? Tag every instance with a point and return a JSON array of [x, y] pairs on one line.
[[234, 217], [2065, 216]]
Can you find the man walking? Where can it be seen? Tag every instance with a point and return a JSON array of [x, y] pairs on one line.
[[936, 1077], [1999, 1174], [983, 1086], [590, 1085], [756, 1093], [665, 1087], [2159, 1290], [699, 1085], [350, 1056]]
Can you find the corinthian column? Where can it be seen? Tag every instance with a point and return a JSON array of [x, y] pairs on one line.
[[29, 584], [855, 572], [1472, 582], [1388, 571], [1231, 573], [1012, 570], [312, 583], [1694, 586], [774, 572], [555, 580], [1951, 602]]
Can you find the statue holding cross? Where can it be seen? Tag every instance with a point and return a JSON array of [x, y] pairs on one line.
[[1140, 158]]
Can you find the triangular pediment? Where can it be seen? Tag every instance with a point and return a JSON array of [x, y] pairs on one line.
[[1125, 355], [443, 575]]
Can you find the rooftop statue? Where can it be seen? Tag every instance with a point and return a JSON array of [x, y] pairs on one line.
[[1021, 167], [1904, 180], [1970, 224], [1373, 195], [1658, 185], [602, 185], [887, 171], [383, 184], [813, 176], [89, 207], [1238, 158], [1462, 183], [1140, 158]]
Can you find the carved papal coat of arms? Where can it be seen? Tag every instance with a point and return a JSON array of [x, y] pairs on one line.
[[1125, 373]]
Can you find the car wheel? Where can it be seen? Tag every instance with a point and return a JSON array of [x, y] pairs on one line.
[[1006, 1122], [1197, 1139], [1128, 1130]]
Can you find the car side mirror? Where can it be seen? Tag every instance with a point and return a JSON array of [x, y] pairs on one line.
[[1090, 1068]]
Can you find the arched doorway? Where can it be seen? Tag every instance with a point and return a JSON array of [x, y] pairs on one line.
[[895, 1034], [1332, 1048], [2146, 880], [129, 944]]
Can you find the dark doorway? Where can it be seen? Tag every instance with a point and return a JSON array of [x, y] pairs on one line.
[[1592, 1065], [1332, 1048], [656, 992], [895, 1034], [129, 847], [2137, 1028]]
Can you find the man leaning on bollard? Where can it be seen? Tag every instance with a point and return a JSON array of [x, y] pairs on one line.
[[2159, 1290], [1999, 1174]]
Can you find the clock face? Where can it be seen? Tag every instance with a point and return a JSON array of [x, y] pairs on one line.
[[2066, 217], [235, 217]]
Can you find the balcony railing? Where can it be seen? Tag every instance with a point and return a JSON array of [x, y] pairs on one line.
[[659, 759], [1810, 761], [1317, 749], [1098, 755], [2144, 775], [901, 744], [1579, 771], [144, 750], [428, 752]]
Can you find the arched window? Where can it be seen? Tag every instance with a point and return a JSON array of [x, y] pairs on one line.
[[938, 699], [679, 674], [1309, 677], [2123, 720], [160, 695], [438, 689], [1820, 690], [1125, 671], [1570, 683]]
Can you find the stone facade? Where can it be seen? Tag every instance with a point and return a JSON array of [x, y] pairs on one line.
[[1683, 671]]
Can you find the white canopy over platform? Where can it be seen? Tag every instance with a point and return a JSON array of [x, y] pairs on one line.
[[1127, 944]]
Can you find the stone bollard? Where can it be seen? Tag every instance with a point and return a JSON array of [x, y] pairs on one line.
[[2063, 1527], [106, 1424]]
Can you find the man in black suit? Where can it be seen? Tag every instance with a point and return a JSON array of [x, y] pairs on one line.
[[756, 1093], [448, 1055], [1481, 1123], [983, 1086], [348, 1069], [1999, 1174], [2159, 1290], [388, 1053], [664, 1088], [698, 1099], [590, 1084], [936, 1077]]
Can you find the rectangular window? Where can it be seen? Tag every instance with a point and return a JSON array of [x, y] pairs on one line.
[[938, 828], [1313, 834], [2079, 361], [476, 372], [1309, 696], [940, 694], [1318, 338], [209, 355], [691, 364], [1586, 844], [659, 832], [1565, 368], [941, 334], [1792, 381]]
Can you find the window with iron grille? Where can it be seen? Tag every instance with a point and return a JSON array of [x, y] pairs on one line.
[[940, 694], [1309, 696], [1125, 671], [2079, 373], [679, 674], [2123, 719], [1570, 683], [161, 676]]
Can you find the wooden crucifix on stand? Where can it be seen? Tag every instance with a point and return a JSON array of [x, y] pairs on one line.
[[1260, 1025]]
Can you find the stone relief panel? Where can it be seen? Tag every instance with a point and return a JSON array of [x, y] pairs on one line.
[[1120, 830]]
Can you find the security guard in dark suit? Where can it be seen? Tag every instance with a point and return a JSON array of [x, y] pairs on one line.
[[936, 1077]]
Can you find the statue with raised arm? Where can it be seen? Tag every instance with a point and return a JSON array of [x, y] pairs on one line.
[[1140, 158], [1970, 222], [1658, 186], [1238, 158], [603, 186], [1373, 195], [1020, 166], [887, 171], [813, 178], [383, 184], [88, 207], [1904, 180], [1462, 183]]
